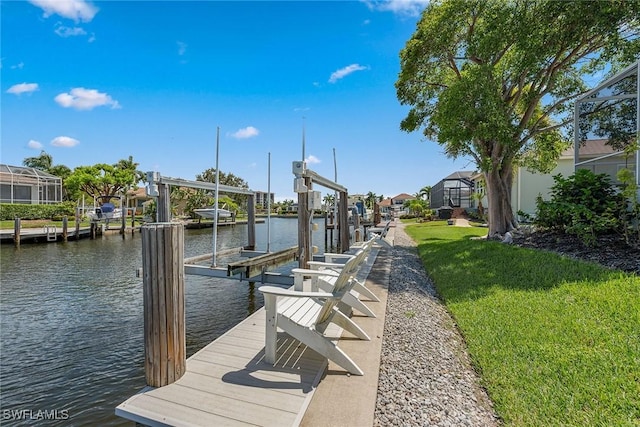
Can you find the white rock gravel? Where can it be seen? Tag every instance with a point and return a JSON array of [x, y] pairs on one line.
[[426, 378]]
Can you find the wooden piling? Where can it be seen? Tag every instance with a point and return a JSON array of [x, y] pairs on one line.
[[65, 228], [164, 302], [163, 207], [304, 226], [16, 232], [251, 223], [343, 222], [77, 217]]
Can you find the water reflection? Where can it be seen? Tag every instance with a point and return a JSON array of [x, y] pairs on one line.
[[71, 335]]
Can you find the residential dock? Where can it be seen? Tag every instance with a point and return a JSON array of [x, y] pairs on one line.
[[229, 383]]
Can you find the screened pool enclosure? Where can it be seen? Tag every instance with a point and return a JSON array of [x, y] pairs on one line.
[[606, 126], [20, 184]]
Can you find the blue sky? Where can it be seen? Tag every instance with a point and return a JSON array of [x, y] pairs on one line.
[[97, 82]]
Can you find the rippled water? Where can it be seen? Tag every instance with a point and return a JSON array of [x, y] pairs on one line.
[[71, 320]]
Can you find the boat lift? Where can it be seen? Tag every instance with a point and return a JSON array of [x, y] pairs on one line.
[[252, 269]]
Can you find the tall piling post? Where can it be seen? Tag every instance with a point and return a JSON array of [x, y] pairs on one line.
[[251, 223], [343, 221], [164, 303], [304, 226], [16, 232], [77, 218], [65, 228]]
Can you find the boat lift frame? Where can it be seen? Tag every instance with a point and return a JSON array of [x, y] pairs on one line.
[[252, 270], [303, 185]]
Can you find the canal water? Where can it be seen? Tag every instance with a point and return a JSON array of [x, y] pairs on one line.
[[71, 320]]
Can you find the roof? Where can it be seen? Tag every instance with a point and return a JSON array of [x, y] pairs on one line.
[[138, 192], [461, 175], [25, 171], [385, 202], [403, 196]]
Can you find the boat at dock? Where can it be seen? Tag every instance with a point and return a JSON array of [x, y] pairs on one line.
[[106, 212], [210, 212]]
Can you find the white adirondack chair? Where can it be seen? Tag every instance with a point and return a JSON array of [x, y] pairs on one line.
[[331, 264], [324, 276], [306, 315]]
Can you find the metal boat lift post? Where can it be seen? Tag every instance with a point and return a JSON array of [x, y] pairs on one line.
[[307, 201]]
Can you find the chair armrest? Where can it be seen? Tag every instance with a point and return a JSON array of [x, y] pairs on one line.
[[331, 257], [274, 290], [314, 273], [325, 264]]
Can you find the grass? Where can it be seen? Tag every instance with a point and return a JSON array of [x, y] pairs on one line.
[[556, 341]]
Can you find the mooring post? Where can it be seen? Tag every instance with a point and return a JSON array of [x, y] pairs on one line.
[[343, 212], [251, 223], [65, 228], [16, 232], [304, 226], [77, 218], [163, 211], [164, 303]]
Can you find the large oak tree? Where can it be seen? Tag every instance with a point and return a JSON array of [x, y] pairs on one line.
[[495, 80]]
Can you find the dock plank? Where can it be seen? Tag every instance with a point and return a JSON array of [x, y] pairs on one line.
[[228, 383]]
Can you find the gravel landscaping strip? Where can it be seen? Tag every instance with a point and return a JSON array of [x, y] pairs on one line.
[[426, 377]]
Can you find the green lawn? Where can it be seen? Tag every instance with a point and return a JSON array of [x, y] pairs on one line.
[[556, 341]]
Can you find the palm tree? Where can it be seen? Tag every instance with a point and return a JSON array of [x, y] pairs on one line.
[[43, 162], [370, 199], [425, 192], [328, 200]]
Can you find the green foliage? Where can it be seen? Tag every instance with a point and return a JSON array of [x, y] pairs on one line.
[[494, 79], [102, 181], [584, 204], [555, 339], [10, 211], [417, 207], [229, 179], [630, 216]]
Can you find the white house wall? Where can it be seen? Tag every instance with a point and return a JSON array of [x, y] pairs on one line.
[[528, 185]]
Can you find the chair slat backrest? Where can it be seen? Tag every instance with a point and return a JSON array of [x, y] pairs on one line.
[[342, 285]]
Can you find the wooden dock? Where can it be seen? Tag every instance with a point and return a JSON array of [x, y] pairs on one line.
[[228, 383], [44, 234]]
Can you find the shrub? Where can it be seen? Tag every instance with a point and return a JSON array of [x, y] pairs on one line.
[[10, 211], [584, 204]]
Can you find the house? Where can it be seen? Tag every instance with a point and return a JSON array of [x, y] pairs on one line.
[[136, 199], [19, 184], [454, 191]]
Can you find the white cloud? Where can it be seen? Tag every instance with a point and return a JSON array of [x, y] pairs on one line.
[[23, 88], [18, 66], [64, 141], [303, 109], [343, 72], [182, 48], [245, 133], [312, 159], [63, 31], [36, 145], [85, 99], [78, 10], [400, 7], [92, 38]]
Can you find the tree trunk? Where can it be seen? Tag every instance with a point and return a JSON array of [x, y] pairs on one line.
[[501, 218]]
